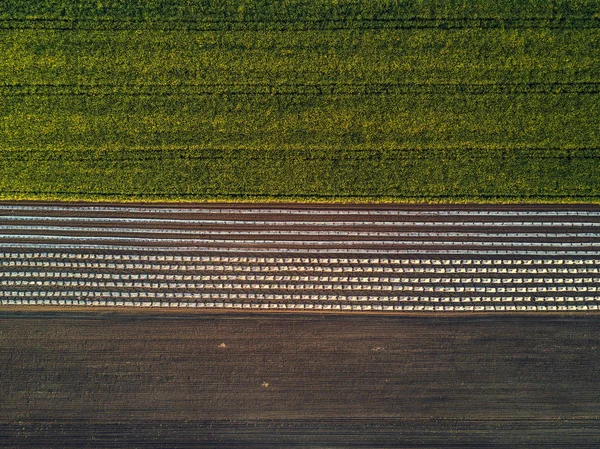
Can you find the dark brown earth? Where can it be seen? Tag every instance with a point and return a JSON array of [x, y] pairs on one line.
[[272, 380]]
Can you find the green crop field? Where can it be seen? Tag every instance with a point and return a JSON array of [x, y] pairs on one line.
[[439, 100]]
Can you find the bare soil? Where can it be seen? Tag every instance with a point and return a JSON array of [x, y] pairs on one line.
[[284, 380]]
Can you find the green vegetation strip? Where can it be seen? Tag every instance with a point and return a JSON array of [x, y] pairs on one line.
[[437, 175], [307, 100]]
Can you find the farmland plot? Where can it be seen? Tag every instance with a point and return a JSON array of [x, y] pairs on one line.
[[289, 257], [311, 100]]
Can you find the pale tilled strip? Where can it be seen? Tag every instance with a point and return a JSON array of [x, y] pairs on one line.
[[252, 211], [288, 268], [311, 306], [296, 233], [288, 286], [362, 222], [286, 250], [191, 242], [324, 280], [294, 260], [161, 297]]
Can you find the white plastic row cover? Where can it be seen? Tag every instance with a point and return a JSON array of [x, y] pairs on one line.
[[290, 211], [332, 223], [299, 250], [295, 243], [169, 296], [281, 286], [286, 268], [294, 260], [294, 233], [293, 278], [309, 306]]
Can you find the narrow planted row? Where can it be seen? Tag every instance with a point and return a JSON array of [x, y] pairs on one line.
[[35, 230], [143, 221], [27, 257], [281, 245], [303, 211], [352, 281], [306, 306], [171, 268]]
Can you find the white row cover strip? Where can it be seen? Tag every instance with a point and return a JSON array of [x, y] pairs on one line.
[[295, 233], [169, 297], [178, 222], [280, 286], [345, 251], [294, 260], [286, 211], [192, 242], [294, 278], [287, 268], [310, 306]]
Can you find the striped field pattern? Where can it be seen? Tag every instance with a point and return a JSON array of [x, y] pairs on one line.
[[285, 257]]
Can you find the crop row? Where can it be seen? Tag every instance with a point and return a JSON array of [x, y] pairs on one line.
[[189, 268], [30, 256], [351, 282], [444, 174], [308, 90], [264, 298], [245, 210], [297, 10], [383, 307], [381, 62]]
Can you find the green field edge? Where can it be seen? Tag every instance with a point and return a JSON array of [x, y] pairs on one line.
[[300, 199]]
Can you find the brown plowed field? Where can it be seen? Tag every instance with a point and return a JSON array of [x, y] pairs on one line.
[[143, 380]]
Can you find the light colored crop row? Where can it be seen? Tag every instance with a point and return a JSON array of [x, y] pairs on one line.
[[294, 243], [311, 306], [294, 278], [252, 211], [268, 223], [295, 260], [292, 268], [296, 233], [352, 252], [292, 297], [287, 286]]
